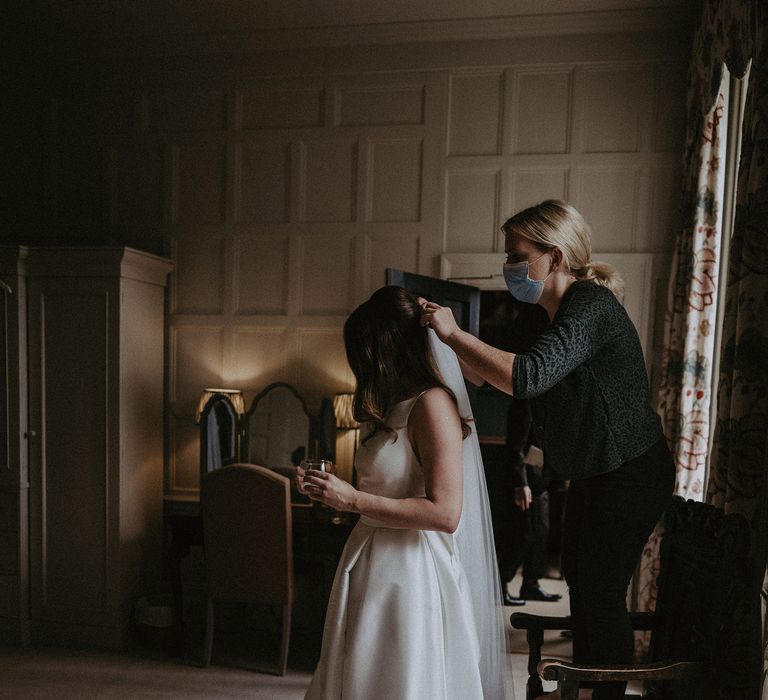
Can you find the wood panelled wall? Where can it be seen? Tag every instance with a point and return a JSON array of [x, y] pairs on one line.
[[283, 187]]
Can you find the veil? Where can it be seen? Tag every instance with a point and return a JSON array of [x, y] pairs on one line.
[[474, 539]]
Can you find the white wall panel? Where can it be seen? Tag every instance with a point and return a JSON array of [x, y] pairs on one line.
[[197, 283], [471, 206], [378, 105], [669, 93], [327, 274], [475, 114], [197, 363], [259, 357], [323, 367], [608, 200], [184, 458], [329, 178], [278, 107], [541, 113], [400, 252], [612, 101], [530, 187], [261, 274], [395, 180], [665, 206], [263, 179], [200, 180]]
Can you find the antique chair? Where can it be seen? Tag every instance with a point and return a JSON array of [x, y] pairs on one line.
[[247, 531], [699, 631]]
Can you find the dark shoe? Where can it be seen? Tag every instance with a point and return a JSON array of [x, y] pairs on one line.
[[535, 593], [510, 600]]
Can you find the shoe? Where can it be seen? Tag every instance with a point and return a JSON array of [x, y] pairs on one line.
[[535, 593], [511, 600]]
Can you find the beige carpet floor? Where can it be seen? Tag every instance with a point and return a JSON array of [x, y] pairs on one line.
[[57, 674]]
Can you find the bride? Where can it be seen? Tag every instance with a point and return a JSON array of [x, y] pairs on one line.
[[415, 610]]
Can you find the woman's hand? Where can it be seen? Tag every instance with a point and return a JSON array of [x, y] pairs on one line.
[[326, 488], [439, 318], [523, 497], [300, 473]]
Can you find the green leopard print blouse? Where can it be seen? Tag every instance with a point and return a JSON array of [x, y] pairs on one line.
[[586, 380]]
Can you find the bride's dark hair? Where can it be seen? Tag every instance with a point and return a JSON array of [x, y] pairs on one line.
[[388, 351]]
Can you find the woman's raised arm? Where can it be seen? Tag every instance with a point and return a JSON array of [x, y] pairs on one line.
[[484, 361]]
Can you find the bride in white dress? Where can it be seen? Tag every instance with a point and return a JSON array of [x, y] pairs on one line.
[[415, 612]]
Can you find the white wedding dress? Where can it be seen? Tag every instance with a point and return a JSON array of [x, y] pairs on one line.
[[400, 623]]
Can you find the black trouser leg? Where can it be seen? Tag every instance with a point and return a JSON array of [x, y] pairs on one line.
[[572, 534], [535, 561], [503, 533], [608, 520]]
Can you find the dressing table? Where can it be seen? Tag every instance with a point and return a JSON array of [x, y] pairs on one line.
[[277, 431]]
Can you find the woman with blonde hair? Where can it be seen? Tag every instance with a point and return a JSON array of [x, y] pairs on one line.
[[586, 380]]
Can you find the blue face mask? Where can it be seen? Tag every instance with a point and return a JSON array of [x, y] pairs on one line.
[[520, 285]]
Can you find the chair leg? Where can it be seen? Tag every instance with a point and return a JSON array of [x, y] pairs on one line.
[[534, 687], [285, 639], [208, 643], [569, 689]]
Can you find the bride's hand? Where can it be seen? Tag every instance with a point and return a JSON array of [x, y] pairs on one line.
[[328, 489], [439, 318], [298, 480]]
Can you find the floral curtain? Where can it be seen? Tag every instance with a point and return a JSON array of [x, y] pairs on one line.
[[685, 393], [723, 36], [740, 459], [690, 322], [684, 397]]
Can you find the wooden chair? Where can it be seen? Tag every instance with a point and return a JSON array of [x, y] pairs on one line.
[[699, 631], [247, 533]]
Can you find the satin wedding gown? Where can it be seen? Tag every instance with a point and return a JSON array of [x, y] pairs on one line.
[[400, 623]]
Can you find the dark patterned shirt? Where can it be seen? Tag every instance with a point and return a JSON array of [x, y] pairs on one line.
[[586, 378]]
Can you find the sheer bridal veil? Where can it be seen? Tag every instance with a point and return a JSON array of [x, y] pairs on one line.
[[474, 538]]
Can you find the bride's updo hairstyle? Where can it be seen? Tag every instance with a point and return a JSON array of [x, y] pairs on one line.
[[556, 224], [388, 352]]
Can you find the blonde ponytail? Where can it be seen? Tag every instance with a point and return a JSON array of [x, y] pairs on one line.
[[603, 274]]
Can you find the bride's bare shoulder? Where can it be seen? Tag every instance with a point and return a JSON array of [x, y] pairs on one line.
[[432, 404]]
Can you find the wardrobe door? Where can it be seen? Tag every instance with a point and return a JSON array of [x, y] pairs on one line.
[[14, 559], [74, 462]]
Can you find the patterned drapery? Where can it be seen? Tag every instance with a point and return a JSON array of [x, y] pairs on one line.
[[740, 456], [724, 35], [685, 392]]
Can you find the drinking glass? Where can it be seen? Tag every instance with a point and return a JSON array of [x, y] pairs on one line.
[[324, 465]]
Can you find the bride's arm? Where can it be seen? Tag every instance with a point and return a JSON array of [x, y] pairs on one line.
[[435, 431]]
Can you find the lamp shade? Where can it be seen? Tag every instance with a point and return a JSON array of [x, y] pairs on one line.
[[234, 395], [343, 410]]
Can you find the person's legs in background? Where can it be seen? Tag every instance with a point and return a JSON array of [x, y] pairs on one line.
[[535, 556], [514, 551]]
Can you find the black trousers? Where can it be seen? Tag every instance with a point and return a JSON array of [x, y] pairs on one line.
[[608, 519], [528, 541]]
